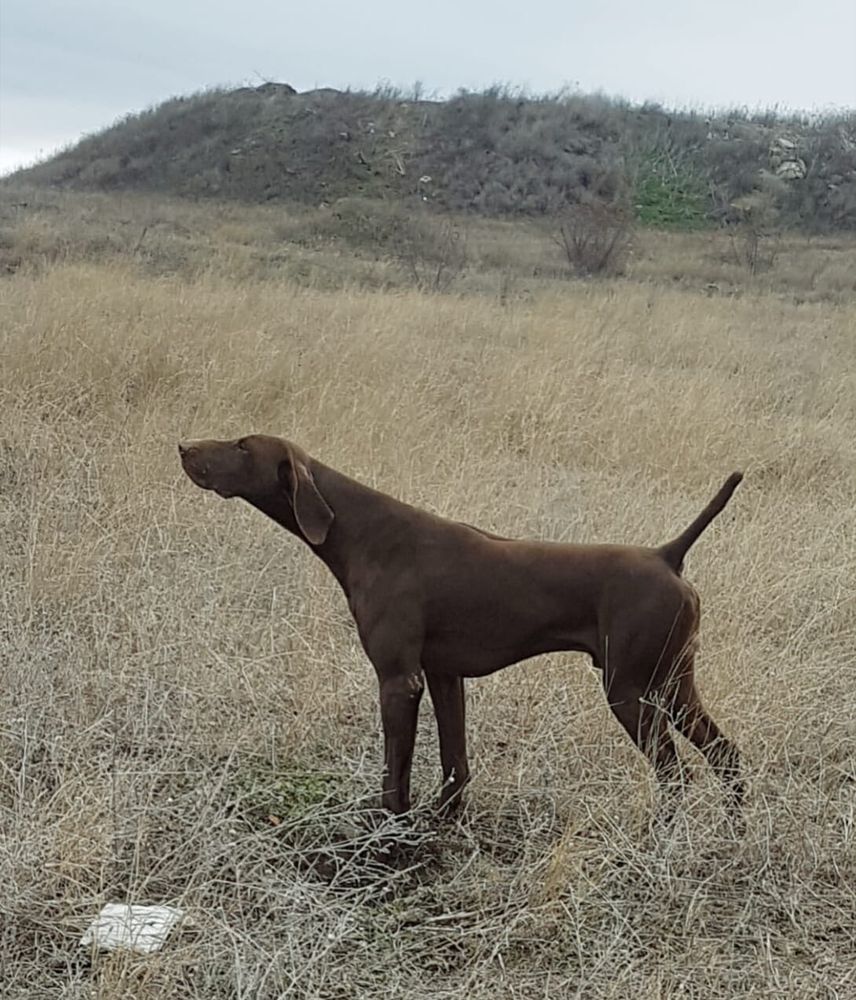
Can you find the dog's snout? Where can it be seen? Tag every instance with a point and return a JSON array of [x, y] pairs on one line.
[[185, 450]]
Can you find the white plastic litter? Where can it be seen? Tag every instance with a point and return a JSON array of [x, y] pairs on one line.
[[141, 928]]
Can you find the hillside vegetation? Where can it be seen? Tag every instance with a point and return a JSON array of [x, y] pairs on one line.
[[187, 717], [379, 245], [495, 153]]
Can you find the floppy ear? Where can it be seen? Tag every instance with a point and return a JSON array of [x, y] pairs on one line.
[[311, 511]]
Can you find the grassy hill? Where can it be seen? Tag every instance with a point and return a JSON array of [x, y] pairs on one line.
[[495, 153]]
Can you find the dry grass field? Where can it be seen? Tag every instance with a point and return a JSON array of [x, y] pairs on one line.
[[186, 715]]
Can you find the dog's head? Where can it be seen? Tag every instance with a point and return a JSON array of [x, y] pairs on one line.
[[260, 469]]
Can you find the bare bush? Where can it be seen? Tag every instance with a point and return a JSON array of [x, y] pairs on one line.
[[430, 251], [595, 238], [753, 231]]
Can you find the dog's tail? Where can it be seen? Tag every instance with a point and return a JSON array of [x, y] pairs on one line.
[[673, 552]]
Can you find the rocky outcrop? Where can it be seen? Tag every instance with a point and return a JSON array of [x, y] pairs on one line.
[[271, 89], [785, 159]]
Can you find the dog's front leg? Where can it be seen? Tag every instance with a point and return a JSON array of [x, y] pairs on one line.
[[447, 694], [400, 694]]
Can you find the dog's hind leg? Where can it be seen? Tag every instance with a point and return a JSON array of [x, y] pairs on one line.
[[647, 724], [693, 722]]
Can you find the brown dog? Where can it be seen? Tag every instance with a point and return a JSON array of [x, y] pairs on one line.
[[437, 601]]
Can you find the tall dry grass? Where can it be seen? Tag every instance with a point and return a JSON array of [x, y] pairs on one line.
[[186, 715]]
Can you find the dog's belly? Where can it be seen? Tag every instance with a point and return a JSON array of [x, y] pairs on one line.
[[471, 658]]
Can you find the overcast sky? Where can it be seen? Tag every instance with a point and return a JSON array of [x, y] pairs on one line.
[[68, 67]]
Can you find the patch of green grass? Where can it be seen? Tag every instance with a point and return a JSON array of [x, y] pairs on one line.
[[262, 793], [675, 202]]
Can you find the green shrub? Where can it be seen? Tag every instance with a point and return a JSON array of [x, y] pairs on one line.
[[670, 197]]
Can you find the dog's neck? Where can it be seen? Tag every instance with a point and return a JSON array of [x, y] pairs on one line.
[[361, 518]]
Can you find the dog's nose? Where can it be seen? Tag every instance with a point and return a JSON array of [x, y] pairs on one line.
[[183, 449]]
